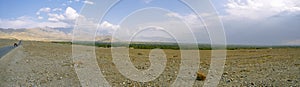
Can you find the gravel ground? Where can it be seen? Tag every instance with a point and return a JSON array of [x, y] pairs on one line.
[[44, 64]]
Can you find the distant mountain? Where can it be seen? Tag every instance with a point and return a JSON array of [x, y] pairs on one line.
[[44, 34]]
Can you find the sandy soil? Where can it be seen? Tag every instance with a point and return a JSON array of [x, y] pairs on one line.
[[50, 64]]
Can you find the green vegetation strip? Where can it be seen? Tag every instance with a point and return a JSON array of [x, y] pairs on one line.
[[174, 46]]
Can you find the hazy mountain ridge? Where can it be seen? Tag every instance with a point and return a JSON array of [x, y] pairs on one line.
[[44, 34]]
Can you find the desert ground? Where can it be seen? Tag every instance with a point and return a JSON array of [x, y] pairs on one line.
[[44, 64]]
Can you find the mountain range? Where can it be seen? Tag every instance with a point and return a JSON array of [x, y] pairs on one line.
[[44, 34]]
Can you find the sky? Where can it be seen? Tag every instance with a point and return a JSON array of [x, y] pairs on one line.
[[249, 22]]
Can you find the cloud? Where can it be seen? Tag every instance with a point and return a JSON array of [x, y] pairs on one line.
[[88, 2], [64, 4], [20, 22], [46, 10], [53, 25], [57, 9], [29, 22], [55, 20], [107, 25], [293, 42], [68, 16], [107, 28], [258, 9], [56, 17], [40, 17], [190, 18], [262, 22], [147, 1], [64, 19], [71, 14]]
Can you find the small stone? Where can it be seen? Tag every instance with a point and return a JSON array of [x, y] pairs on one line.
[[252, 83], [200, 75], [225, 73], [43, 81], [59, 78], [140, 54], [228, 81]]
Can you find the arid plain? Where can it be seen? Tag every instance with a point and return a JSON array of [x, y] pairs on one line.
[[35, 64]]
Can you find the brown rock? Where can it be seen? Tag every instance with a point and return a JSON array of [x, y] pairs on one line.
[[200, 75]]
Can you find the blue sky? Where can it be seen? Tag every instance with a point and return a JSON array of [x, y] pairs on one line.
[[17, 8], [264, 22]]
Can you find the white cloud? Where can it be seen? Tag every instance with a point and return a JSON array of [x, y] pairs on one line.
[[107, 28], [190, 18], [46, 10], [293, 42], [107, 25], [261, 21], [70, 1], [55, 17], [257, 9], [193, 20], [71, 14], [28, 22], [53, 24], [88, 2], [64, 4], [20, 22], [147, 1], [40, 17], [57, 9]]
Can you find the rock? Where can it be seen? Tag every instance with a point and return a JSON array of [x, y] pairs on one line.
[[200, 76], [225, 73], [243, 76], [228, 81], [252, 83], [60, 78], [140, 54]]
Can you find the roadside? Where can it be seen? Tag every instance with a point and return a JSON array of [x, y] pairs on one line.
[[6, 49]]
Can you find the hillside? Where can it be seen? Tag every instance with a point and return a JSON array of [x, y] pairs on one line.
[[44, 34]]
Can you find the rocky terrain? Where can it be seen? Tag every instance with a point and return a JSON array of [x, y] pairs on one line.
[[43, 64]]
